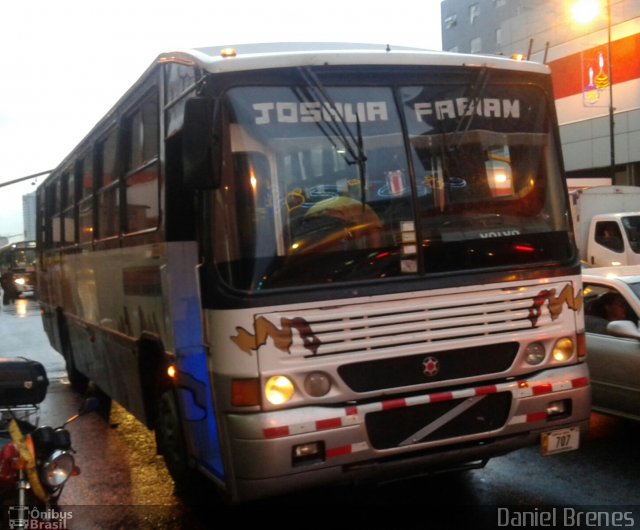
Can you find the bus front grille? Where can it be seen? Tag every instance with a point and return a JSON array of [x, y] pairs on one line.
[[407, 325], [409, 370]]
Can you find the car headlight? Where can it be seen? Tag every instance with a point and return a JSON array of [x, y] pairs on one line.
[[57, 468]]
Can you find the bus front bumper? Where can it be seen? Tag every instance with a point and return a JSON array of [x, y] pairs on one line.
[[276, 452]]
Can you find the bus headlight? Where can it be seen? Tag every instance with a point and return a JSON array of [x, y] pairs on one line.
[[317, 384], [279, 389], [534, 354], [563, 349]]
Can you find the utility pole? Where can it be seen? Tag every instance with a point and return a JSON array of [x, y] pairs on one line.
[[612, 142]]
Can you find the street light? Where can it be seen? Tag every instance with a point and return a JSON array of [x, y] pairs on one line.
[[15, 181], [584, 12]]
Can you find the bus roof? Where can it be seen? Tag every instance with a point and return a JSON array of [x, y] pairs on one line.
[[217, 59]]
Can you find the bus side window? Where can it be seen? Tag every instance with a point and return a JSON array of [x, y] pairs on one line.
[[84, 175], [52, 213], [178, 79], [141, 166], [108, 196], [68, 208]]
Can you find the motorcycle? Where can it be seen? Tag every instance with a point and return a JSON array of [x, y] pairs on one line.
[[35, 461]]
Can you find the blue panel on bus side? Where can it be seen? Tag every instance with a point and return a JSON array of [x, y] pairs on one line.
[[198, 413]]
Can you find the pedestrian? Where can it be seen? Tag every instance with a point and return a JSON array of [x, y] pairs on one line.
[[9, 291]]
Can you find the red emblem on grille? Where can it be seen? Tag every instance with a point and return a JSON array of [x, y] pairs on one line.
[[430, 366]]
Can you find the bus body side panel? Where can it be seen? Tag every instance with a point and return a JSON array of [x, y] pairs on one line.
[[47, 276], [182, 298], [116, 296], [105, 320]]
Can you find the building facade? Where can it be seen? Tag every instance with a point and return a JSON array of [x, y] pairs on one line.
[[29, 216], [575, 45]]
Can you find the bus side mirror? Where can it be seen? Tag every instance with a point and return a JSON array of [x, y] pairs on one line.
[[200, 145]]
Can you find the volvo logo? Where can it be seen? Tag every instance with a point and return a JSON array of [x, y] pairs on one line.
[[430, 366]]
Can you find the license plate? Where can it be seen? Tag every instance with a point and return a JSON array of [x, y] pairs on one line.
[[560, 441]]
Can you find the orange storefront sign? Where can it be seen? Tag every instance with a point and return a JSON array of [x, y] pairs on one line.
[[575, 73]]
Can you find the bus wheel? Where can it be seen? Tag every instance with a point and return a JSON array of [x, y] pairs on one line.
[[77, 379], [170, 439]]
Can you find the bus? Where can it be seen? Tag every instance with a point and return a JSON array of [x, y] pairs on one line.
[[18, 270], [304, 264]]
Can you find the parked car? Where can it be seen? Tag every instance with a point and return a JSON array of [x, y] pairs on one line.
[[612, 312]]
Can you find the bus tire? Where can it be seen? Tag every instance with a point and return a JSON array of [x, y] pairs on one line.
[[77, 379], [170, 440]]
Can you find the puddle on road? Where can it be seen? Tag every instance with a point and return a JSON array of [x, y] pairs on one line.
[[22, 307]]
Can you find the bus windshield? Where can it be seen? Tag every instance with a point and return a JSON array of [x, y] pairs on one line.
[[20, 257], [25, 259], [327, 184]]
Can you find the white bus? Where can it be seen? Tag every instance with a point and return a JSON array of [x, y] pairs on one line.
[[17, 270], [304, 264]]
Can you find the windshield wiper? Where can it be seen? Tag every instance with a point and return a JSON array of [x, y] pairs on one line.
[[450, 151], [353, 145], [477, 91]]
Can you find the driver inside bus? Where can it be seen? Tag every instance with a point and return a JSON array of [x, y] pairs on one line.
[[339, 218], [358, 219]]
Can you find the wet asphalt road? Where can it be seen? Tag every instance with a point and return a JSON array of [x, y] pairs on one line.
[[124, 484]]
